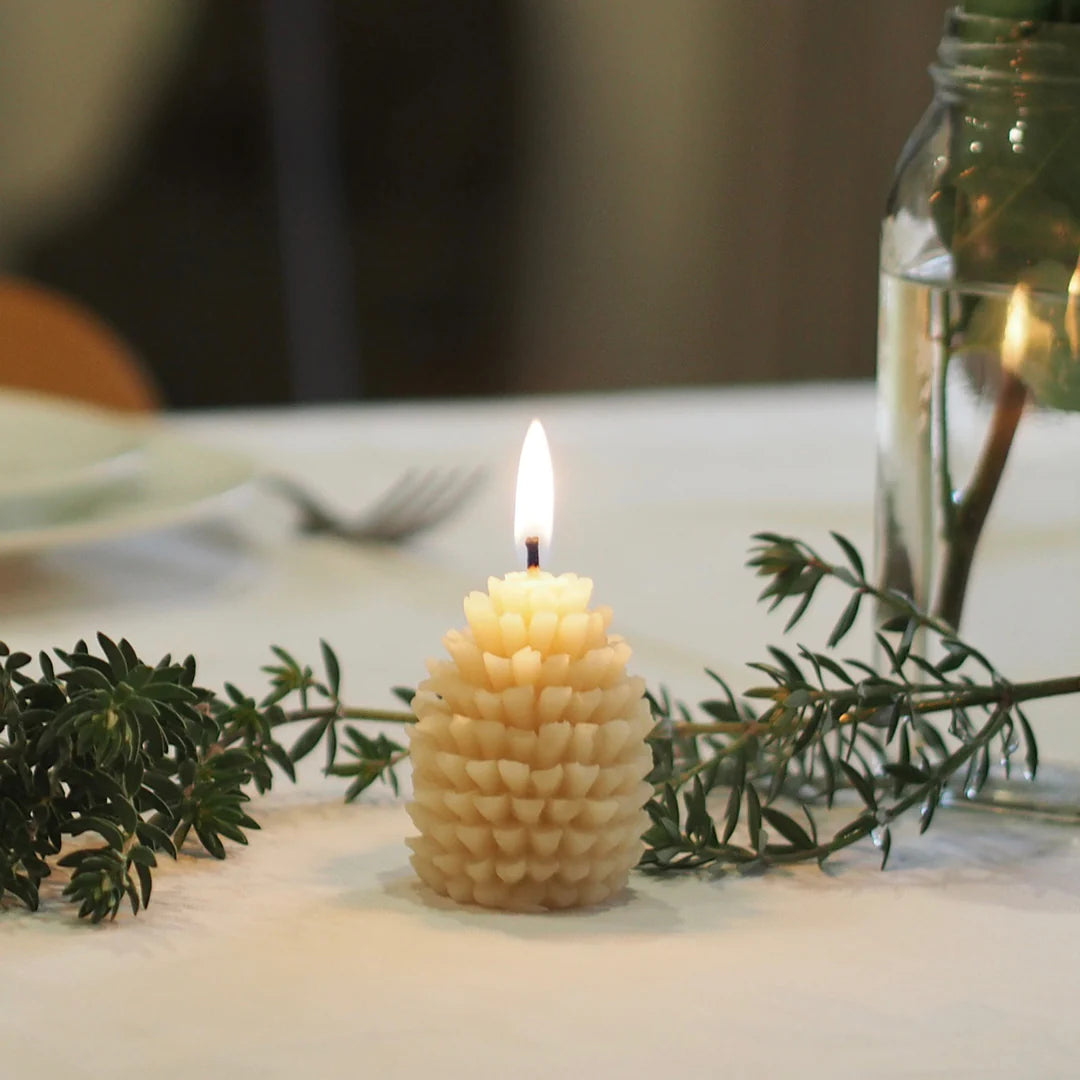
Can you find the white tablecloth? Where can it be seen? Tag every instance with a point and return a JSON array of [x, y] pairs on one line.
[[313, 954]]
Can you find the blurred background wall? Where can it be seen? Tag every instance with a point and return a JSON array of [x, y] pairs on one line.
[[376, 198]]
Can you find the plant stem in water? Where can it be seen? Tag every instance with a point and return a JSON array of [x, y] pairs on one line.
[[974, 505]]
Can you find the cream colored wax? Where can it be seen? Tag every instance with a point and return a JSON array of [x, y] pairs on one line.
[[529, 753]]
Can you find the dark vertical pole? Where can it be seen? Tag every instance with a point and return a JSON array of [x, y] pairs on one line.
[[320, 297]]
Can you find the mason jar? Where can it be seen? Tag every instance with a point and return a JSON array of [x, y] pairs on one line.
[[979, 323]]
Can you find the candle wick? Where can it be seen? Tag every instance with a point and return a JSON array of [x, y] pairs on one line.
[[532, 552]]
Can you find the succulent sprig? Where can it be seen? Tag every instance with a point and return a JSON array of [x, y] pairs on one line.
[[136, 759]]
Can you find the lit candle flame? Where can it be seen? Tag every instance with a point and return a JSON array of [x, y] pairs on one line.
[[1017, 328], [1072, 315], [534, 506]]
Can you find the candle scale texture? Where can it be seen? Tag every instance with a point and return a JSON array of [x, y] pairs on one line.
[[529, 753]]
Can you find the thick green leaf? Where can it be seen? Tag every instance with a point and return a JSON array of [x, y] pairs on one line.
[[404, 693], [333, 669], [309, 739], [23, 889], [862, 784], [146, 883], [846, 620], [155, 837], [885, 843], [753, 817], [116, 658], [165, 691], [788, 828], [209, 840], [1031, 748], [107, 830], [851, 553]]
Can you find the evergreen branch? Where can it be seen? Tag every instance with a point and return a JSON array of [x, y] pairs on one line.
[[832, 727]]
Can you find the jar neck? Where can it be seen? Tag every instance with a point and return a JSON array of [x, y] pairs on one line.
[[989, 57]]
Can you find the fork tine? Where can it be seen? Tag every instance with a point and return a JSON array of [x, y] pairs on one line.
[[418, 500], [391, 518], [436, 499], [459, 487], [402, 523], [389, 503]]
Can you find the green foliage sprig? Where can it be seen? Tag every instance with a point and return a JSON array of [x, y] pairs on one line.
[[894, 741], [141, 757]]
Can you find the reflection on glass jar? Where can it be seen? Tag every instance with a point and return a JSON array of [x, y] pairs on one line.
[[979, 318]]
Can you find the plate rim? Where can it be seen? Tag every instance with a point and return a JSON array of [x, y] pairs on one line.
[[132, 433], [133, 516]]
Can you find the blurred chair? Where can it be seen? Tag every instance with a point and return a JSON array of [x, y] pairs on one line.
[[53, 345]]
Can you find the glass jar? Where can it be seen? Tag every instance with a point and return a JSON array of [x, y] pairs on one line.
[[979, 318]]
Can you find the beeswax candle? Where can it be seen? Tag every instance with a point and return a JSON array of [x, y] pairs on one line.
[[529, 753]]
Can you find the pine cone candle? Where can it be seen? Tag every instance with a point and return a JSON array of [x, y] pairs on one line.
[[529, 753]]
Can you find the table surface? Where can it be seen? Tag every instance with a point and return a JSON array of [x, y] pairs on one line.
[[314, 953]]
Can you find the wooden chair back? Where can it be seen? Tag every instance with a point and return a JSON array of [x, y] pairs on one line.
[[54, 345]]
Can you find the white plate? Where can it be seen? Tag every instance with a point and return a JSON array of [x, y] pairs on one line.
[[50, 447], [177, 480]]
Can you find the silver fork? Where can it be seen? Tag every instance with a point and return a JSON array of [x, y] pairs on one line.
[[416, 502]]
